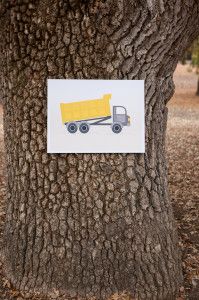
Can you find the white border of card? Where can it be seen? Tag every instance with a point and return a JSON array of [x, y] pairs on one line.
[[95, 116]]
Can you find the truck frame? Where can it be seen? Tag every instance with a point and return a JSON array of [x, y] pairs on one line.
[[97, 112]]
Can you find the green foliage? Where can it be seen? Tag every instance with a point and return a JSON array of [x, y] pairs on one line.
[[192, 54], [195, 54]]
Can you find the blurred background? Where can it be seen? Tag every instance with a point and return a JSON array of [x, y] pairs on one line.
[[183, 164]]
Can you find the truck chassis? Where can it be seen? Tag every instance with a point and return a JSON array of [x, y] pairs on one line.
[[84, 125]]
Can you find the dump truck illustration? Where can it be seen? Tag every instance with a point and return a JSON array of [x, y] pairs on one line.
[[83, 114]]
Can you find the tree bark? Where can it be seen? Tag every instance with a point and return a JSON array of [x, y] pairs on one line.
[[197, 92], [90, 225]]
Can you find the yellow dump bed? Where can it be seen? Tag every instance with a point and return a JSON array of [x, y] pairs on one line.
[[86, 109]]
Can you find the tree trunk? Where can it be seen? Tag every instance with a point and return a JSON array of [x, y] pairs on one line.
[[98, 224], [197, 92]]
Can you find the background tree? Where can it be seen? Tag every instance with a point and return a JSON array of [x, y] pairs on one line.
[[90, 225], [191, 55], [195, 60]]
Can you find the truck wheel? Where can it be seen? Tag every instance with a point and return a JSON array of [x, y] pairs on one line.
[[84, 128], [116, 128], [72, 127]]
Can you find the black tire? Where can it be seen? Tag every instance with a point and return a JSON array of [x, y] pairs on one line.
[[116, 128], [84, 127], [72, 127]]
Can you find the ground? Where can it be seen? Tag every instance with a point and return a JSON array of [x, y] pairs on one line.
[[183, 170]]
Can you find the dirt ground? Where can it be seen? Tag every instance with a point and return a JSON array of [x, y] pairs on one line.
[[183, 169]]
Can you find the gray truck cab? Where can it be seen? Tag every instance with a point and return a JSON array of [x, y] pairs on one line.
[[120, 115]]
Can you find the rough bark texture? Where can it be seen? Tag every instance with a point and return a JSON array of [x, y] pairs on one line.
[[90, 225]]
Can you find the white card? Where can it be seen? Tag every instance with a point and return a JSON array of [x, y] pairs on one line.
[[95, 116]]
